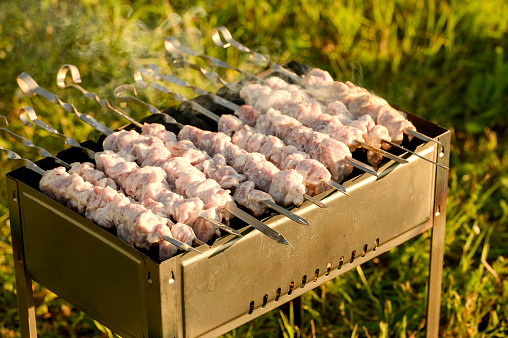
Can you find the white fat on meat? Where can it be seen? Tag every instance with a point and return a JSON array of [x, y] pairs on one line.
[[393, 120], [316, 77], [187, 150], [332, 154], [78, 193], [272, 149], [260, 171], [277, 99], [203, 229], [109, 158], [252, 92], [105, 215], [291, 157]]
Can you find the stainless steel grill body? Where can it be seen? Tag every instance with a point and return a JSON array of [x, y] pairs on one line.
[[238, 279]]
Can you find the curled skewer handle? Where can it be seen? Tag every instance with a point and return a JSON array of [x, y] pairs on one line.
[[174, 47], [29, 164], [41, 151], [4, 120], [258, 58], [29, 118], [120, 95], [31, 88], [76, 78]]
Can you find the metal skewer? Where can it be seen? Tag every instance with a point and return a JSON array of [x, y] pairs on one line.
[[154, 71], [420, 136], [382, 152], [174, 47], [210, 114], [34, 167], [76, 78], [41, 151], [144, 71], [211, 76], [29, 118], [255, 223], [362, 166], [414, 153], [29, 164], [258, 58], [31, 88]]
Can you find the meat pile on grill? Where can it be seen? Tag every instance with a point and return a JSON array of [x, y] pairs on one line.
[[287, 142]]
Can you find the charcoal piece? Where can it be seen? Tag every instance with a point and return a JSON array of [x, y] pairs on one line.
[[298, 68], [230, 95], [185, 114], [207, 102]]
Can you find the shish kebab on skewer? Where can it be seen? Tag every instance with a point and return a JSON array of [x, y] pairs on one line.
[[318, 77], [86, 169], [251, 165], [333, 154], [30, 87], [335, 128], [182, 209], [257, 138], [216, 167], [135, 225], [316, 176], [84, 187], [392, 118]]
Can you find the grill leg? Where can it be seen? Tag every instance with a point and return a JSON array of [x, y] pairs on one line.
[[25, 297], [24, 293], [437, 241]]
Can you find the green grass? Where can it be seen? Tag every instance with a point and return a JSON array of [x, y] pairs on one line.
[[443, 60]]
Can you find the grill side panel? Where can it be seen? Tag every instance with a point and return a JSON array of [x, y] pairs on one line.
[[378, 215], [84, 264]]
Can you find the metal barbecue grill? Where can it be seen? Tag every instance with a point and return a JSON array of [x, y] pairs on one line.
[[136, 295]]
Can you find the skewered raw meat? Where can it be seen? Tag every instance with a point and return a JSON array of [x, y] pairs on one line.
[[184, 151], [320, 147], [320, 118], [275, 151], [253, 165], [359, 102], [150, 182], [90, 174], [135, 225]]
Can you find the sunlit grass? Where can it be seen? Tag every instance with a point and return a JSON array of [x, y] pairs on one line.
[[443, 60]]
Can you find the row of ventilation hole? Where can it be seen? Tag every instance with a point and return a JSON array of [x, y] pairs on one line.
[[316, 275]]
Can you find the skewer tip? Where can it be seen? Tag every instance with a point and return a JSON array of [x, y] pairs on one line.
[[282, 240]]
